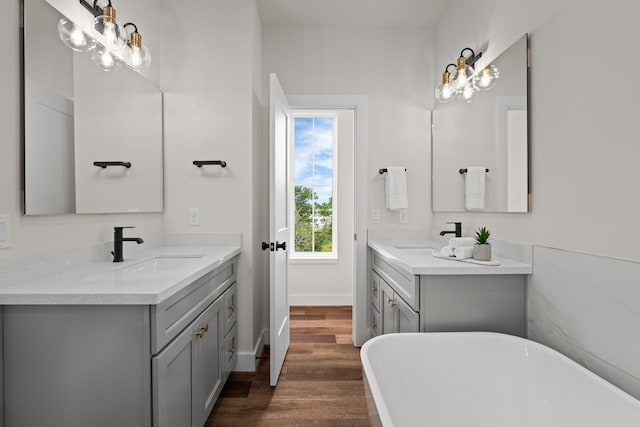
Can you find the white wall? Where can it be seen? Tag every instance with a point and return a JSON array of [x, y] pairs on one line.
[[332, 283], [393, 68], [214, 111], [31, 235], [584, 135]]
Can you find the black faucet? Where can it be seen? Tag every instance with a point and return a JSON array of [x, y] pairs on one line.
[[457, 231], [117, 243]]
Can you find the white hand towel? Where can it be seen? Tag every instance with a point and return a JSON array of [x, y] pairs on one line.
[[459, 242], [474, 188], [464, 252], [446, 251], [396, 189]]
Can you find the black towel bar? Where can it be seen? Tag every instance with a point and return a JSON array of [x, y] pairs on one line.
[[463, 171]]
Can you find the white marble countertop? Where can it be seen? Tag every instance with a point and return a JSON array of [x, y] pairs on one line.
[[414, 256], [132, 282]]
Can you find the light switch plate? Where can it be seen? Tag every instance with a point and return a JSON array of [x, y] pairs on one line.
[[5, 228], [375, 216]]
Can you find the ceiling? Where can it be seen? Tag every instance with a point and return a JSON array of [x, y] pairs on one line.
[[359, 13]]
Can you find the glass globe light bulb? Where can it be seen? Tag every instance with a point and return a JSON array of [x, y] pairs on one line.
[[445, 92], [74, 37], [109, 29], [106, 60], [467, 93], [138, 57], [487, 77], [464, 74]]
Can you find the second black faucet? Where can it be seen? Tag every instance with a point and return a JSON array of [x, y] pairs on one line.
[[457, 231]]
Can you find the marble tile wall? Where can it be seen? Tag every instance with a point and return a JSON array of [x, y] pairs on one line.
[[588, 308]]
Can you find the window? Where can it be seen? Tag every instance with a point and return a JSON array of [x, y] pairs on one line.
[[314, 210]]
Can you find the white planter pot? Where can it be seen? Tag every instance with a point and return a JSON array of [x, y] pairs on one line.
[[482, 252]]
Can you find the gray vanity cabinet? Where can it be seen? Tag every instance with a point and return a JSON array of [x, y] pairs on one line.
[[158, 365], [402, 302]]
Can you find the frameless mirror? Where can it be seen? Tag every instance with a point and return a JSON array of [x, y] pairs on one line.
[[76, 115], [490, 132]]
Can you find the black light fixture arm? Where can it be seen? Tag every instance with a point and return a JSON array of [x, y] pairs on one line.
[[473, 58], [446, 69], [94, 9], [135, 27]]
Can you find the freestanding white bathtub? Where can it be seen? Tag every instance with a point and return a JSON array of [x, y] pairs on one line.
[[483, 379]]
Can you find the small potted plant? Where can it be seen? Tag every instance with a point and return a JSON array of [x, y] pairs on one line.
[[482, 247]]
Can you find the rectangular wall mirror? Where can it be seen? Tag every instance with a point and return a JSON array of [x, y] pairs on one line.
[[76, 114], [490, 132]]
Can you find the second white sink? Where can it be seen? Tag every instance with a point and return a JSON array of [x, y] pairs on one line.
[[163, 263]]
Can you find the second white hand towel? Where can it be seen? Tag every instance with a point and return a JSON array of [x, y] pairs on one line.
[[459, 242], [396, 189], [474, 188]]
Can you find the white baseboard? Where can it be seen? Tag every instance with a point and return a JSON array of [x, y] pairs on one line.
[[320, 300], [248, 361]]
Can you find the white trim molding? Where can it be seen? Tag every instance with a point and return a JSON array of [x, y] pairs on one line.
[[248, 361]]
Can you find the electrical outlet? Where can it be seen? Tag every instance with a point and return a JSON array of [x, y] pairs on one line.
[[404, 216], [375, 216], [194, 216]]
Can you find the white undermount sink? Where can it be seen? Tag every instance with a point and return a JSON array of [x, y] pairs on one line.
[[416, 250], [163, 263]]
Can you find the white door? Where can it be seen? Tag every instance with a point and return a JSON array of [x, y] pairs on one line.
[[278, 228]]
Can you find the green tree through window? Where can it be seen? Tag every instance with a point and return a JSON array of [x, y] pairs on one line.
[[313, 183]]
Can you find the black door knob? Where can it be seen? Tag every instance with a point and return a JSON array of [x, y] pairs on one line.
[[267, 245], [281, 245]]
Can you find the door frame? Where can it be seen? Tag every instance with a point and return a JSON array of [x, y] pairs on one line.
[[359, 104]]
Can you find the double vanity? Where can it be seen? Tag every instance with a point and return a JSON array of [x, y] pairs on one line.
[[410, 290], [147, 342]]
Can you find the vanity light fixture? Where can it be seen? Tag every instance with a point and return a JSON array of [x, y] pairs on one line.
[[464, 84], [111, 45], [137, 57]]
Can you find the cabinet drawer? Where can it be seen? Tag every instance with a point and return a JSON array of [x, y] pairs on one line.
[[406, 285], [230, 310], [172, 315], [230, 352]]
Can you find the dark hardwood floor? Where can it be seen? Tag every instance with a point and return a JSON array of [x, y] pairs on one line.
[[320, 384]]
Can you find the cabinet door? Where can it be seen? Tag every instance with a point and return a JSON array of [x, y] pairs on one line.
[[230, 307], [375, 321], [387, 309], [207, 365], [230, 355], [407, 319], [172, 381], [374, 287]]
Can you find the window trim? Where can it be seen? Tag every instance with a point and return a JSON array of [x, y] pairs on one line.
[[314, 257]]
